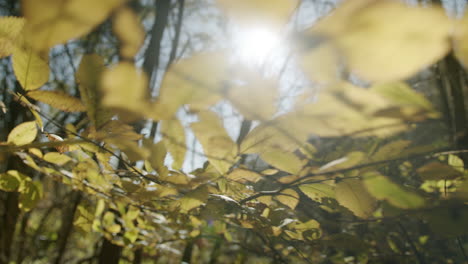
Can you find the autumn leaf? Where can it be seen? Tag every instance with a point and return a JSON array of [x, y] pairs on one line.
[[130, 32], [23, 133], [59, 100], [352, 194], [10, 32], [197, 81], [31, 69], [174, 139], [52, 22], [386, 40]]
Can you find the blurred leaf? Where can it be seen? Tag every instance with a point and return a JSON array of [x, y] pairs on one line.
[[52, 22], [129, 30], [219, 148], [383, 189], [256, 99], [460, 40], [273, 12], [438, 171], [387, 40], [448, 220], [23, 134], [59, 100], [31, 69], [194, 199], [173, 133], [10, 31], [350, 160], [88, 78], [352, 194], [197, 81], [8, 182], [125, 89], [390, 150], [157, 156]]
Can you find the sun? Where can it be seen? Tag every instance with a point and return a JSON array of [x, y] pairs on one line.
[[257, 45]]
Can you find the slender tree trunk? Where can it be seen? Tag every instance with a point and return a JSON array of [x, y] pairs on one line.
[[110, 253]]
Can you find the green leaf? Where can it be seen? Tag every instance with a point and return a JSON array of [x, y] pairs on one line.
[[352, 194], [31, 69], [31, 193], [382, 188], [57, 158], [10, 32], [59, 100], [8, 182], [23, 134]]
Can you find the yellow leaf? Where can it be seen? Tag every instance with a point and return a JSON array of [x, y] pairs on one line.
[[59, 100], [52, 22], [88, 78], [275, 12], [130, 32], [283, 160], [125, 88], [56, 158], [30, 195], [197, 81], [243, 175], [157, 156], [194, 199], [352, 194], [288, 197], [256, 99], [31, 69], [173, 133], [10, 31], [387, 40], [318, 191], [460, 40], [217, 145], [23, 134]]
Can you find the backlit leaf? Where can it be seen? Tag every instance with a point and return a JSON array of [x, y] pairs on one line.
[[243, 175], [59, 100], [382, 188], [10, 31], [460, 41], [174, 139], [438, 171], [276, 12], [30, 194], [22, 134], [52, 22], [125, 88], [31, 69], [88, 77], [352, 194], [219, 148], [370, 33], [280, 159], [196, 81]]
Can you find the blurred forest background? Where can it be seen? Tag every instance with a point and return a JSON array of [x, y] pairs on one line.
[[233, 131]]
